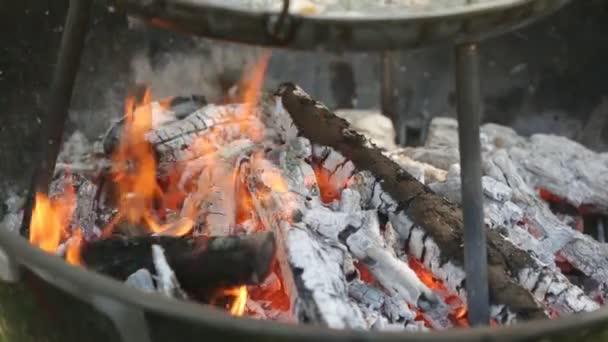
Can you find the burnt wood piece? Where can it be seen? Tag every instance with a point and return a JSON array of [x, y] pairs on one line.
[[439, 218], [179, 107], [201, 264]]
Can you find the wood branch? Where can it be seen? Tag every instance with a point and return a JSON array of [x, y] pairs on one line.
[[201, 264], [440, 220], [311, 268]]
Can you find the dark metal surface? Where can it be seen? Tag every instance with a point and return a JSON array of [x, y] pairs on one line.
[[391, 31], [59, 96], [468, 96]]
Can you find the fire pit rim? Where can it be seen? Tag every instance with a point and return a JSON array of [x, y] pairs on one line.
[[83, 283]]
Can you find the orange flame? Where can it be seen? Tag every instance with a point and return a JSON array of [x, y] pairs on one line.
[[46, 225], [240, 299], [134, 167], [51, 217], [72, 255], [254, 81]]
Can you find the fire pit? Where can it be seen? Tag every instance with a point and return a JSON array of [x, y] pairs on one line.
[[198, 200]]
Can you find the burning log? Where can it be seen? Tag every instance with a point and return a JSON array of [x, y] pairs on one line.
[[201, 264], [204, 129], [440, 221], [213, 199], [311, 269]]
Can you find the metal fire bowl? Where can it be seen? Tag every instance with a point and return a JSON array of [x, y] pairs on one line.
[[44, 299], [338, 33]]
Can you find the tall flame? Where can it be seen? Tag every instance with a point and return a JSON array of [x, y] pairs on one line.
[[134, 167]]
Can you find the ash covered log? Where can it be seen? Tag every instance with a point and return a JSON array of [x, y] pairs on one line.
[[195, 128], [201, 264], [440, 220], [212, 199], [311, 268]]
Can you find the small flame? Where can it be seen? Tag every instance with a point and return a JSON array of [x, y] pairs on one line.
[[46, 225], [240, 299], [72, 255], [51, 217]]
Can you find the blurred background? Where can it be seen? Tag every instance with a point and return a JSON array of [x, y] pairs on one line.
[[550, 77]]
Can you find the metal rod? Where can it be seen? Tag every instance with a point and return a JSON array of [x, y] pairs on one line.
[[601, 229], [469, 117], [388, 100], [59, 96]]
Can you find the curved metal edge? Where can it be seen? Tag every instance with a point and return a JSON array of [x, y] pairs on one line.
[[88, 286], [331, 33]]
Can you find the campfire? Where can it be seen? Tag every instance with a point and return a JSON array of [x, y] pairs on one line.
[[272, 207]]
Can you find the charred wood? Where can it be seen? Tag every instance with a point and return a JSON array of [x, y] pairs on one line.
[[201, 264]]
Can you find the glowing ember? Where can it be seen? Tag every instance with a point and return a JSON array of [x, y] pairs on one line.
[[329, 191], [458, 316]]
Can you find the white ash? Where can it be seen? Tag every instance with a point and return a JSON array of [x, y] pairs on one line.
[[416, 240], [558, 164], [508, 161], [166, 282], [326, 285], [142, 280], [311, 268], [213, 197], [376, 127], [216, 125], [423, 172]]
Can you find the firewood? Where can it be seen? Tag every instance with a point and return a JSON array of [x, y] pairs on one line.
[[212, 200], [311, 268], [440, 220], [211, 126], [201, 264]]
